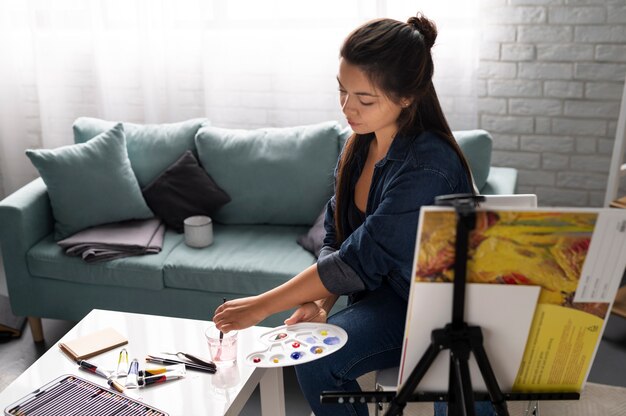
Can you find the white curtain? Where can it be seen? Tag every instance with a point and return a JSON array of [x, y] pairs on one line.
[[239, 63]]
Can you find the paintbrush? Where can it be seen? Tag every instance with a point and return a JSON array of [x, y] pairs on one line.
[[219, 349]]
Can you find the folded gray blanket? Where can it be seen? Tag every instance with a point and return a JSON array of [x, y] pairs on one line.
[[116, 240]]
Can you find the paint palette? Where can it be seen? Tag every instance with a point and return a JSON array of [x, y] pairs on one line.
[[297, 344]]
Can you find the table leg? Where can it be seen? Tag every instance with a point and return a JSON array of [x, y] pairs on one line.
[[272, 393]]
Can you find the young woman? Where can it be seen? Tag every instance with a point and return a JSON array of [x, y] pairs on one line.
[[401, 156]]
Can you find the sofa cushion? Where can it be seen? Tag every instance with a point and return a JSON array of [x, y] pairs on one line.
[[344, 135], [151, 147], [501, 181], [476, 146], [273, 175], [243, 259], [46, 259], [183, 190], [90, 183]]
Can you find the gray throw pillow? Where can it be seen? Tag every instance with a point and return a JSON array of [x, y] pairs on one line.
[[313, 240]]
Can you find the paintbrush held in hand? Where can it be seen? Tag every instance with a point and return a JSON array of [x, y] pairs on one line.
[[218, 354]]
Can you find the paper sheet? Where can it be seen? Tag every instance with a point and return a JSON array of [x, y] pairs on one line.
[[504, 313]]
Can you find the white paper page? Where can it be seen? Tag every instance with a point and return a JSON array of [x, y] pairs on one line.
[[606, 259], [504, 312]]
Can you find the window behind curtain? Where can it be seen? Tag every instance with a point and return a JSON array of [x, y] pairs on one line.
[[239, 63]]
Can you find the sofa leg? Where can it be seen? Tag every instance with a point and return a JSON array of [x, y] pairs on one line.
[[36, 328]]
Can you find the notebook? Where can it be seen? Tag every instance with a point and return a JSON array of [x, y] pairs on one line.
[[93, 344]]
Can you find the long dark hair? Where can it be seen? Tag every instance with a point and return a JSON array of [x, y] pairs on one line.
[[396, 58]]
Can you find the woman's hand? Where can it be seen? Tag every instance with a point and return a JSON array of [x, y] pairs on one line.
[[305, 287], [239, 314], [308, 312]]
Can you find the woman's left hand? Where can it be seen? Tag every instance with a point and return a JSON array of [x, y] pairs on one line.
[[308, 312], [239, 314]]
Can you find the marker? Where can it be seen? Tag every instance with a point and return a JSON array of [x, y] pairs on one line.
[[161, 378], [85, 365]]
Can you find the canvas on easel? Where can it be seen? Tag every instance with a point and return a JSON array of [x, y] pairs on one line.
[[575, 257]]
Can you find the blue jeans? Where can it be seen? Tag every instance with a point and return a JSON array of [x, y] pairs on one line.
[[375, 327]]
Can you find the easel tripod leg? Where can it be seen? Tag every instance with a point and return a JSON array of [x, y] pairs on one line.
[[398, 404], [497, 398], [461, 383]]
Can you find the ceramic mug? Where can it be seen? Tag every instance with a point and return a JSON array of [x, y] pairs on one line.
[[198, 231]]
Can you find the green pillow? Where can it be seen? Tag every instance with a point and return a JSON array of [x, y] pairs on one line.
[[476, 146], [273, 175], [344, 135], [152, 148], [91, 183]]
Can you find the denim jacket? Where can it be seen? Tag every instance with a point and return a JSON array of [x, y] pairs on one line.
[[414, 171]]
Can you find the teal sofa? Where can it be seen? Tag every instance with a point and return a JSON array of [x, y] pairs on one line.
[[278, 179]]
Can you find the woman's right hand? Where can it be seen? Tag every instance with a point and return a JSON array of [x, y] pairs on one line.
[[308, 312], [239, 314]]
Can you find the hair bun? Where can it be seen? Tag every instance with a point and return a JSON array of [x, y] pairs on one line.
[[426, 27]]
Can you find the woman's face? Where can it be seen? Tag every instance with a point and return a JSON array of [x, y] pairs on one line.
[[366, 108]]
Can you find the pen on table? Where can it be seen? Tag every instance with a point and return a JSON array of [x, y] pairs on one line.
[[188, 366], [197, 362], [190, 357], [160, 360], [85, 365]]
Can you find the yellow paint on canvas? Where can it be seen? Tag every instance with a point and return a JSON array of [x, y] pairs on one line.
[[538, 248]]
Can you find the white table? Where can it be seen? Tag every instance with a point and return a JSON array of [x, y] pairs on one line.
[[199, 393]]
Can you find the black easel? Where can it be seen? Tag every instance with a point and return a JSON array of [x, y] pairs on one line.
[[459, 338]]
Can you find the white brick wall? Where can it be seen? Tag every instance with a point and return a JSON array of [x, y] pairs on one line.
[[552, 93]]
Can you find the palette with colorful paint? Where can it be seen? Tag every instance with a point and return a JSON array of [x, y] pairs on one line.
[[296, 344]]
